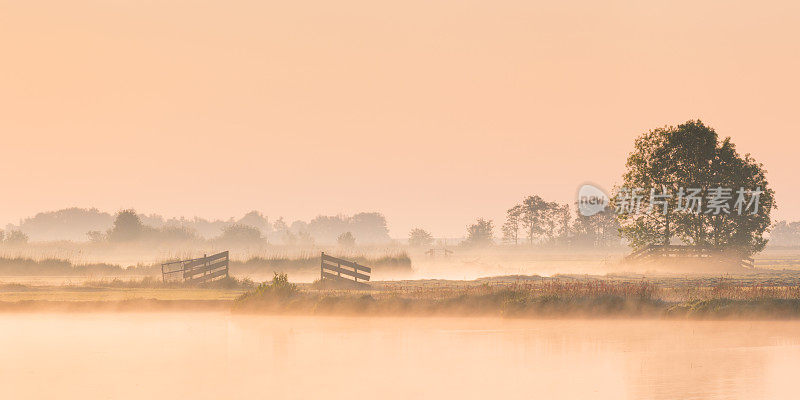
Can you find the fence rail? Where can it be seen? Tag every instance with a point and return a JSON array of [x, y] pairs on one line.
[[197, 270], [338, 269]]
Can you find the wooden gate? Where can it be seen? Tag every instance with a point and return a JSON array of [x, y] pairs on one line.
[[197, 270], [337, 269]]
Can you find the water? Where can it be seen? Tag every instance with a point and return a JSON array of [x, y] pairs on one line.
[[216, 355]]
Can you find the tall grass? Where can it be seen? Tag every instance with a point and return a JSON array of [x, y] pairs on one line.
[[55, 267], [151, 282]]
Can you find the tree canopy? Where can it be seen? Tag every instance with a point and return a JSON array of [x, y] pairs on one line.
[[685, 184]]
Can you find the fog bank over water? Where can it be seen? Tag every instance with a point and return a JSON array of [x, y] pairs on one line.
[[216, 355]]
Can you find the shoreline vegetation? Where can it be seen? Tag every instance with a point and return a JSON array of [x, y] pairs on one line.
[[22, 266], [776, 297], [768, 295]]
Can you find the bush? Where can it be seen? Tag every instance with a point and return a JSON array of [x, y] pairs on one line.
[[279, 289]]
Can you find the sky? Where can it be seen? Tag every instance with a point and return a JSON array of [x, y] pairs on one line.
[[431, 112]]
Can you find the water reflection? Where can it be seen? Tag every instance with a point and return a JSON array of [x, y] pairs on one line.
[[201, 356]]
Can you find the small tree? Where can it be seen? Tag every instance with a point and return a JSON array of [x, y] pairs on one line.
[[565, 221], [240, 234], [127, 226], [539, 218], [174, 234], [16, 237], [480, 234], [511, 227], [305, 239], [542, 220], [551, 218], [346, 240], [599, 230], [288, 238], [96, 236], [280, 225], [419, 238]]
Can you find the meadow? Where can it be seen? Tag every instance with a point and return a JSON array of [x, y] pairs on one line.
[[765, 295], [256, 267], [506, 284]]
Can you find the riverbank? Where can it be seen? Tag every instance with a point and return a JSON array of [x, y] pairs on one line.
[[537, 297], [771, 295]]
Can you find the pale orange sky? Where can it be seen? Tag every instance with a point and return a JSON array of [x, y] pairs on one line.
[[432, 112]]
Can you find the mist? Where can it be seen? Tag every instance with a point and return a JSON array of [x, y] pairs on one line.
[[419, 199]]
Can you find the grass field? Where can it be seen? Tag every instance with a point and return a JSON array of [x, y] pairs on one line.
[[768, 292], [771, 295], [669, 288], [116, 294]]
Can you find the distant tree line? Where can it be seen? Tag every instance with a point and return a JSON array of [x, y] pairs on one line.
[[785, 234], [665, 162], [79, 224], [537, 222], [14, 237]]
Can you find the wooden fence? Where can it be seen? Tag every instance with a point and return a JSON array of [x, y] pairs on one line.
[[197, 270], [660, 253], [337, 269], [444, 252]]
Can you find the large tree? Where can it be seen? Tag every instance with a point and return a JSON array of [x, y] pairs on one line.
[[673, 176]]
